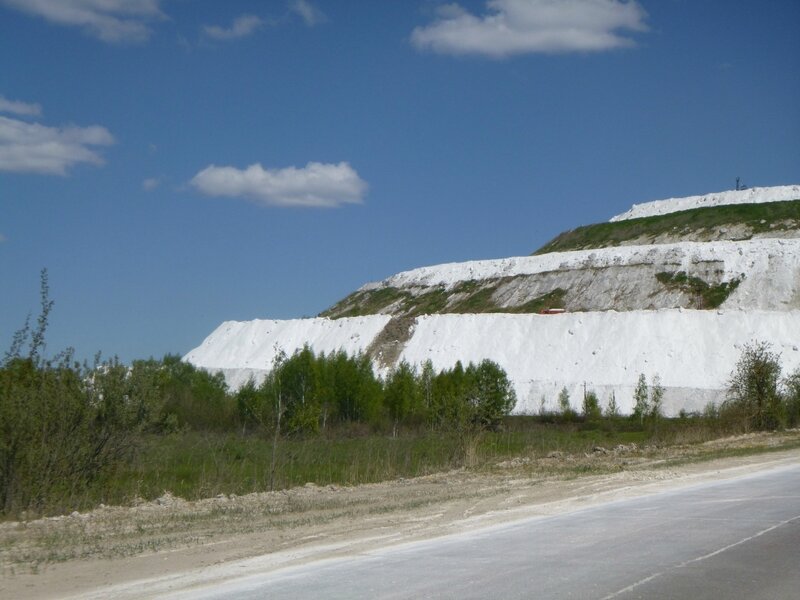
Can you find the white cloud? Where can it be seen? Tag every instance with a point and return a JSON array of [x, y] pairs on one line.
[[34, 148], [310, 14], [109, 20], [529, 26], [315, 185], [151, 183], [19, 108], [242, 27]]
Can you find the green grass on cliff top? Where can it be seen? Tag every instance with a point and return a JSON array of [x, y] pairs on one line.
[[769, 216]]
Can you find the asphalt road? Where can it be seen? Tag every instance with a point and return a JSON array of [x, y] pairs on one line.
[[735, 539]]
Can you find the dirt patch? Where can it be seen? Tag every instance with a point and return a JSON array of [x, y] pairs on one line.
[[387, 346], [175, 544]]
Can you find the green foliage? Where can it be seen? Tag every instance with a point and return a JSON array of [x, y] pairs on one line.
[[612, 409], [368, 302], [192, 397], [656, 399], [318, 390], [403, 397], [648, 402], [711, 411], [552, 299], [704, 295], [491, 396], [768, 216], [641, 404], [65, 426], [591, 407], [431, 302], [312, 392], [564, 406], [754, 399], [656, 404], [449, 391], [465, 297], [792, 399], [478, 301]]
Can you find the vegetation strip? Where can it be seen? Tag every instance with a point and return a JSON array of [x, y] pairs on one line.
[[756, 218]]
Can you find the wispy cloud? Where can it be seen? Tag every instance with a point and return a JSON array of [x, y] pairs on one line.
[[16, 107], [512, 27], [151, 183], [315, 185], [2, 238], [242, 27], [109, 20], [310, 14], [34, 148]]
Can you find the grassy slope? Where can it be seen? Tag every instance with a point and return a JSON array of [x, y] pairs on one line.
[[769, 216], [476, 297]]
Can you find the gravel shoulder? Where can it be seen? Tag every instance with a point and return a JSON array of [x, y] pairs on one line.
[[152, 548]]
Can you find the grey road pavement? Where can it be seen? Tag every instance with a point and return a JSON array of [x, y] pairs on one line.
[[726, 540]]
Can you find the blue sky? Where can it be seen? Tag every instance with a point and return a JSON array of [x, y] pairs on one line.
[[178, 163]]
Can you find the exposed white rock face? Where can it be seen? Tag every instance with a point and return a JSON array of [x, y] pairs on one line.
[[245, 349], [755, 195], [692, 351], [620, 321], [623, 278]]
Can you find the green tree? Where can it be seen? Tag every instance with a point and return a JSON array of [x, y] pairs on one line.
[[64, 426], [426, 379], [612, 409], [347, 389], [299, 376], [194, 397], [753, 396], [402, 396], [656, 402], [254, 407], [491, 396], [641, 404], [564, 405], [450, 388], [591, 407], [792, 399]]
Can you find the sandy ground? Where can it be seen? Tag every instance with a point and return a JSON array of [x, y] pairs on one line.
[[153, 548]]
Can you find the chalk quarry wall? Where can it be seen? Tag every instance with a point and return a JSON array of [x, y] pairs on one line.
[[692, 351], [620, 320]]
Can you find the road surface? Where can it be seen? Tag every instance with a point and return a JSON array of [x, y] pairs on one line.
[[738, 538]]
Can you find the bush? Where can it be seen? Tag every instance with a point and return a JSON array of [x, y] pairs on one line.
[[792, 399], [63, 425], [612, 409], [564, 406], [641, 402], [591, 407], [753, 398], [490, 395]]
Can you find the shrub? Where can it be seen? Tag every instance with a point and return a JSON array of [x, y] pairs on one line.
[[792, 399], [612, 409], [641, 402], [564, 405], [403, 396], [753, 398], [591, 407], [63, 425], [491, 396]]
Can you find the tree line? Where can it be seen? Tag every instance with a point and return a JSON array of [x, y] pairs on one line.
[[64, 424]]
